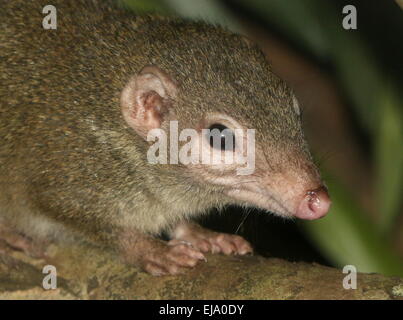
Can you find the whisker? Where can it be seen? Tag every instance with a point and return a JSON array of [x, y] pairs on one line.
[[247, 213]]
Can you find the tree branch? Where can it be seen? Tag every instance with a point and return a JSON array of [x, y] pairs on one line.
[[88, 273]]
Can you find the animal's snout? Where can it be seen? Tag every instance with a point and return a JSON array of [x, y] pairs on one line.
[[314, 205]]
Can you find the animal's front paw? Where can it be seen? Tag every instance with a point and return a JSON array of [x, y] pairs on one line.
[[11, 239], [210, 241], [171, 259]]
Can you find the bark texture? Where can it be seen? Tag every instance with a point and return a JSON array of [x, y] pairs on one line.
[[88, 273]]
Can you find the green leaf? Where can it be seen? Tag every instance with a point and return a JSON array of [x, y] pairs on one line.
[[389, 160]]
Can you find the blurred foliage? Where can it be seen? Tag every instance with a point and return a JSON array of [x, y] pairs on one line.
[[389, 158], [347, 235]]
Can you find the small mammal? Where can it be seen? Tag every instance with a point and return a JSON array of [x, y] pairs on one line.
[[77, 103]]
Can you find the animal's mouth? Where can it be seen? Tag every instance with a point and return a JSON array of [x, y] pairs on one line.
[[260, 199]]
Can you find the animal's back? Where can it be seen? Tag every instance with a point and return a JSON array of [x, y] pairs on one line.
[[44, 117]]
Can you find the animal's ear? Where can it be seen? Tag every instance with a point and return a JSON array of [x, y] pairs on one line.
[[145, 100]]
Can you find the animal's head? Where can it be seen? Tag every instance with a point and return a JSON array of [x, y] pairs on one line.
[[219, 81]]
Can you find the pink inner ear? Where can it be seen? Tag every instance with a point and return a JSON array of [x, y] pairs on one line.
[[153, 109], [144, 99]]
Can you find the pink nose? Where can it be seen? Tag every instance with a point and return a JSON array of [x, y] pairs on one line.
[[315, 204]]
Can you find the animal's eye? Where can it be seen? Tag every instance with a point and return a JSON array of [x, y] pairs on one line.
[[221, 137]]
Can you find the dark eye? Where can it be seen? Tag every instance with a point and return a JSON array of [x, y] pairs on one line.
[[221, 137]]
